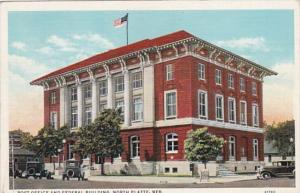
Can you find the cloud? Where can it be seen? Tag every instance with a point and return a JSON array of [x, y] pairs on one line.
[[61, 43], [255, 43], [25, 66], [45, 50], [19, 46], [95, 39], [278, 93]]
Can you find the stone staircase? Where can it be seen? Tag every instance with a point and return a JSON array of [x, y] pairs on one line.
[[223, 171]]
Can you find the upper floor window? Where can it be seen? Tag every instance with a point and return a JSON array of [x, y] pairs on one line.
[[88, 115], [137, 108], [172, 142], [231, 110], [103, 87], [119, 83], [201, 71], [254, 88], [120, 104], [243, 112], [74, 94], [74, 119], [255, 118], [169, 72], [87, 91], [219, 108], [102, 106], [242, 84], [170, 104], [53, 97], [137, 80], [202, 104], [53, 120], [218, 77], [134, 146], [230, 81]]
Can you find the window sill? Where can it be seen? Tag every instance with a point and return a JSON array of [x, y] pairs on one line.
[[104, 95], [204, 118], [137, 121], [171, 152], [119, 92], [170, 117], [137, 88], [220, 120]]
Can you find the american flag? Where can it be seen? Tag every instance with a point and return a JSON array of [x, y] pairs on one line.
[[121, 21]]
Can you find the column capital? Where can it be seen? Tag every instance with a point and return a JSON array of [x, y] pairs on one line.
[[77, 79], [91, 74]]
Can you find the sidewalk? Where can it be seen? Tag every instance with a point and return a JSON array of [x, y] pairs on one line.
[[167, 180]]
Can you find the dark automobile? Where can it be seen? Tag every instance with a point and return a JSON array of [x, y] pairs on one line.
[[73, 170], [278, 169], [36, 170]]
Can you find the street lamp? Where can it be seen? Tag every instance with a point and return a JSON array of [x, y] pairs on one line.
[[291, 147], [59, 150]]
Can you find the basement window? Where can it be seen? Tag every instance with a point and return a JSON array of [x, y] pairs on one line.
[[167, 170], [174, 170]]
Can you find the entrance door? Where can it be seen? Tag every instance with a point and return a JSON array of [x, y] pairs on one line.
[[232, 152]]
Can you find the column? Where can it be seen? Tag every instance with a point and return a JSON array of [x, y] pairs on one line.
[[79, 104], [62, 106], [94, 100], [148, 86], [126, 99], [109, 92]]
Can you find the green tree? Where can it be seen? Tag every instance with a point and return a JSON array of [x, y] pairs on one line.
[[282, 137], [202, 146], [49, 140], [102, 137]]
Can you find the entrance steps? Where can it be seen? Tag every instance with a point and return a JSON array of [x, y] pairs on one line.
[[224, 171]]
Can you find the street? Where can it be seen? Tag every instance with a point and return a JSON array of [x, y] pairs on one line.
[[74, 184]]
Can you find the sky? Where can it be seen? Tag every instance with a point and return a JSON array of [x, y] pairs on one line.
[[41, 42]]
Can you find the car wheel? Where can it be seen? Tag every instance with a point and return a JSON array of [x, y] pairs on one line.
[[31, 171], [70, 173], [266, 175]]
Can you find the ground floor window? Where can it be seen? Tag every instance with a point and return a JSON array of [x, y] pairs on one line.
[[255, 149], [231, 148], [135, 146], [172, 142]]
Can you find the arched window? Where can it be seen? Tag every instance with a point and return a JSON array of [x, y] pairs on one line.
[[255, 149], [134, 146], [231, 147], [171, 142]]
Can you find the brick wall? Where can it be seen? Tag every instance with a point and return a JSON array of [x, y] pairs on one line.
[[48, 107]]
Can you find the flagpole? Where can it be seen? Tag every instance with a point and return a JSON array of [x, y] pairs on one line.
[[127, 28]]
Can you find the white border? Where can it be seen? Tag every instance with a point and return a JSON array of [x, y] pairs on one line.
[[135, 5]]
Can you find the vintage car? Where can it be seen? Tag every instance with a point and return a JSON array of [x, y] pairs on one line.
[[278, 169], [73, 169], [36, 170]]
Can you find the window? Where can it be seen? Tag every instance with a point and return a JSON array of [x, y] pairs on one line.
[[218, 77], [120, 104], [231, 148], [74, 117], [172, 143], [74, 94], [174, 170], [88, 115], [103, 87], [102, 106], [254, 88], [53, 120], [170, 104], [119, 84], [243, 112], [255, 115], [202, 104], [255, 149], [242, 85], [70, 151], [231, 110], [135, 146], [137, 109], [137, 80], [87, 91], [53, 97], [219, 108], [201, 71], [167, 170], [169, 72], [230, 81]]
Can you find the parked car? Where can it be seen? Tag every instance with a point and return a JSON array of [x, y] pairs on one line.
[[36, 170], [278, 169], [73, 169]]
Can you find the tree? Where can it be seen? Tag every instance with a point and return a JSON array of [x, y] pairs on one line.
[[282, 137], [49, 140], [202, 146], [102, 137]]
